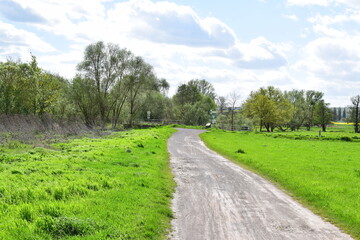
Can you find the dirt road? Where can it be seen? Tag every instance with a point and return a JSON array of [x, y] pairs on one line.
[[216, 199]]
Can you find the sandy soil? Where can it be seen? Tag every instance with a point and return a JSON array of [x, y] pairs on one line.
[[216, 199]]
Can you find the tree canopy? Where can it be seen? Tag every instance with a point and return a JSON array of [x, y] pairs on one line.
[[193, 102], [114, 86], [268, 107]]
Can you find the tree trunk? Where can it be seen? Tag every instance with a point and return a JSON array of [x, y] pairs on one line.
[[323, 127], [356, 118], [232, 119], [267, 126]]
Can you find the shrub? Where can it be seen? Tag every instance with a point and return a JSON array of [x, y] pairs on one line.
[[26, 213], [59, 194], [51, 210], [66, 226], [240, 151], [106, 184], [16, 172], [346, 139]]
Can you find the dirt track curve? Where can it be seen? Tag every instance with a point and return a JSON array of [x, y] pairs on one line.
[[216, 199]]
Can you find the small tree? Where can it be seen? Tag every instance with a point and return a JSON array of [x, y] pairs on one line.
[[355, 112], [193, 102], [83, 94], [233, 100], [221, 103], [297, 100], [322, 114], [269, 108], [312, 98]]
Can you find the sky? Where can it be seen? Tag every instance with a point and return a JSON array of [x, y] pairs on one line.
[[237, 45]]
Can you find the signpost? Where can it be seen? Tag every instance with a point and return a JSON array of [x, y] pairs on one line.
[[213, 116]]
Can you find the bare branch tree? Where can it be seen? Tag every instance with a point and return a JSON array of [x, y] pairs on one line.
[[233, 100]]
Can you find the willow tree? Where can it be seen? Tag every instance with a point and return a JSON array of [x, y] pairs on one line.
[[105, 65], [83, 94], [193, 102], [322, 114], [312, 98], [298, 102], [138, 82]]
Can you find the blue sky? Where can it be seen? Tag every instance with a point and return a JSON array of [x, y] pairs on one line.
[[236, 45]]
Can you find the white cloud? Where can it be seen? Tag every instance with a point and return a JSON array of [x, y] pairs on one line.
[[179, 43], [57, 11], [332, 63], [328, 31], [14, 41], [349, 16], [325, 3], [260, 53], [164, 22], [170, 23], [309, 2], [291, 17]]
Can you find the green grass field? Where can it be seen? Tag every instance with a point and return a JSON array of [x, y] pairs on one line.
[[116, 187], [321, 172], [334, 133]]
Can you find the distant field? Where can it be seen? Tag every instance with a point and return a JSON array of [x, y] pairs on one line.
[[342, 123], [116, 187], [338, 132], [322, 172]]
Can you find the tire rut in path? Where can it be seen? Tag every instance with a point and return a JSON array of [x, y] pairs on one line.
[[216, 199]]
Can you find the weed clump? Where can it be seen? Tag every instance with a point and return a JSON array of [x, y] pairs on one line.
[[60, 194], [106, 184], [26, 214], [16, 172], [51, 211], [346, 139], [240, 151], [136, 165], [66, 226]]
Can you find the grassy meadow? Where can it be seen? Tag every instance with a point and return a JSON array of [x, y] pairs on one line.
[[321, 172], [115, 187]]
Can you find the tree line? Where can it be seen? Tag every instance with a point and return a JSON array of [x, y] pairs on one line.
[[112, 87], [270, 108]]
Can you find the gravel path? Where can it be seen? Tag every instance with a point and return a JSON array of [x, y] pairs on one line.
[[216, 199]]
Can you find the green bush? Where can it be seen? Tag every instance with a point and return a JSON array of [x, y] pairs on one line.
[[346, 139], [66, 226], [240, 151]]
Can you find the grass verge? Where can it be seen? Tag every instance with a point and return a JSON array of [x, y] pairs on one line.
[[323, 175], [116, 187]]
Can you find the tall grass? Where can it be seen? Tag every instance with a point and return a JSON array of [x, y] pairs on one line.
[[115, 187]]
